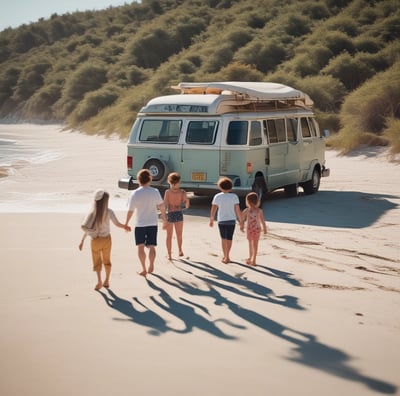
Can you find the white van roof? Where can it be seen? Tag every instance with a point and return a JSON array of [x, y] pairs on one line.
[[226, 97]]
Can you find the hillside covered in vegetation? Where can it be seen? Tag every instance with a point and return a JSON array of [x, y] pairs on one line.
[[94, 70]]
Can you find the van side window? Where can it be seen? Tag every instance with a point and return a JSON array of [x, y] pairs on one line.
[[255, 133], [305, 129], [160, 131], [291, 124], [201, 132], [271, 131], [237, 132], [281, 130], [311, 122]]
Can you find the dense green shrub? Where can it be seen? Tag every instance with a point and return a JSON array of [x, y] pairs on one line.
[[40, 104], [256, 21], [338, 42], [161, 44], [8, 80], [315, 10], [326, 92], [25, 39], [219, 59], [238, 38], [297, 25], [376, 62], [343, 23], [136, 75], [239, 72], [392, 133], [86, 78], [310, 60], [93, 103], [367, 44], [265, 56], [365, 112], [30, 79], [352, 72]]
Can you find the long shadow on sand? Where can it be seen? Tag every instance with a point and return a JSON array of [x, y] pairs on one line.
[[237, 284], [305, 347], [156, 323], [308, 350]]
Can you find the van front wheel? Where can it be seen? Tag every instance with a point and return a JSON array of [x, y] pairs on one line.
[[312, 186], [157, 169]]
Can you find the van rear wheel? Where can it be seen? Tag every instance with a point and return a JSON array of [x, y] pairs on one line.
[[312, 186], [259, 187], [157, 168]]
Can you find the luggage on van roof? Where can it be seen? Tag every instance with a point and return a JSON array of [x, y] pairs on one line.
[[257, 91]]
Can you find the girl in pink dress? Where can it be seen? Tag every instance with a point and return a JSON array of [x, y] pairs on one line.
[[254, 218]]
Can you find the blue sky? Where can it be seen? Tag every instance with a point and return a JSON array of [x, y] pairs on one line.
[[14, 13]]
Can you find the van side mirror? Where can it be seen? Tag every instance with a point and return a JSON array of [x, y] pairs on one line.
[[326, 133]]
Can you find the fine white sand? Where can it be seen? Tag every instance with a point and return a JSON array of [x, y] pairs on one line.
[[319, 315]]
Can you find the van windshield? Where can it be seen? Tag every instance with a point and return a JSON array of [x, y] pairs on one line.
[[160, 131]]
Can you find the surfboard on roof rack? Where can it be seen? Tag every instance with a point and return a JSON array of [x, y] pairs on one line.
[[256, 91]]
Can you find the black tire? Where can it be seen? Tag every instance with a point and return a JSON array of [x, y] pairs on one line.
[[292, 190], [157, 168], [259, 187], [312, 186]]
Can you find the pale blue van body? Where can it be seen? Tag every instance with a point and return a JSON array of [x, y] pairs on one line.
[[263, 136]]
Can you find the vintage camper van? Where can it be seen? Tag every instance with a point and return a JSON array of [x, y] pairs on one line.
[[262, 135]]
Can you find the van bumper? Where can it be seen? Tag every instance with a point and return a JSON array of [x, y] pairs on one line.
[[326, 172], [128, 183]]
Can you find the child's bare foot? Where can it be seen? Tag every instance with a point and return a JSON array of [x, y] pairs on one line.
[[169, 257], [181, 254], [143, 273], [226, 260], [151, 269], [106, 285], [248, 261], [98, 286]]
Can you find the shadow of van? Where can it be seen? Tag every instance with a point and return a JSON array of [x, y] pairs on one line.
[[340, 209]]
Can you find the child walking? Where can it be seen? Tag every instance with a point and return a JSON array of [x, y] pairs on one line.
[[97, 226], [175, 199], [145, 201], [227, 205], [254, 217]]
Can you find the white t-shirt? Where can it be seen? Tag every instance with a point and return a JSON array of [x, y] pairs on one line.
[[226, 206], [143, 202]]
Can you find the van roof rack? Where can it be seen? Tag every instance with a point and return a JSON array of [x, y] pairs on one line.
[[251, 91]]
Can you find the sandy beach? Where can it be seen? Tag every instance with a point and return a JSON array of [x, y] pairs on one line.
[[319, 314]]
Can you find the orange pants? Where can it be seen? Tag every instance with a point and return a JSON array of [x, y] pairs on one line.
[[101, 252]]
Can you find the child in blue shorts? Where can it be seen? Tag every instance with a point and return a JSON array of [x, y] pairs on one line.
[[226, 205]]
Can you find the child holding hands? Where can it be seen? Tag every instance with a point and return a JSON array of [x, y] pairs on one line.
[[175, 199], [97, 226], [254, 217], [226, 205]]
